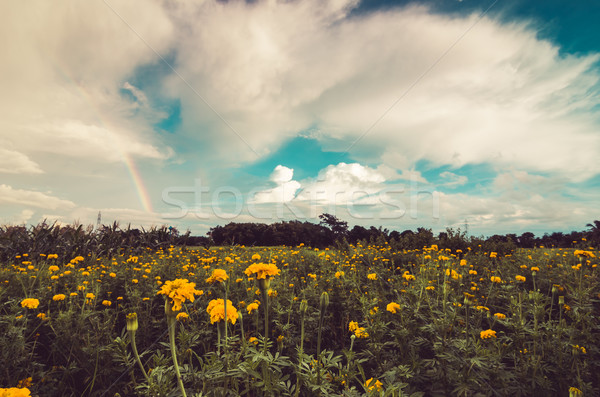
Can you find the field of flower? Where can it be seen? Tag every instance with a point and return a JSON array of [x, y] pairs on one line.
[[296, 321]]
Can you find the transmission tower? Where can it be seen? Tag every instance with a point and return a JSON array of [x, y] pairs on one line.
[[99, 220]]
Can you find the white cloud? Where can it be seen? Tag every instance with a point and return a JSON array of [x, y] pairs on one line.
[[271, 69], [285, 190], [62, 70], [12, 162], [9, 195], [342, 184], [453, 180]]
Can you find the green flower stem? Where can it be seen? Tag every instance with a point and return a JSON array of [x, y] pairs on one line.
[[136, 355], [171, 320]]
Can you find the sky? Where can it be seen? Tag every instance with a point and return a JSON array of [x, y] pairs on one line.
[[482, 114]]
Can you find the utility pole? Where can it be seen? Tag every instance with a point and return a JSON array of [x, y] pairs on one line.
[[99, 221]]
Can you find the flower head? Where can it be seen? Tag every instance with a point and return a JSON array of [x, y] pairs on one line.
[[14, 392], [59, 297], [262, 270], [30, 303], [216, 310], [487, 334], [252, 307], [371, 384], [182, 316], [392, 307], [179, 290], [218, 275], [372, 276], [496, 279]]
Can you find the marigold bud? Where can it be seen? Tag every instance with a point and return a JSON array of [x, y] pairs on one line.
[[132, 322], [324, 301], [303, 306]]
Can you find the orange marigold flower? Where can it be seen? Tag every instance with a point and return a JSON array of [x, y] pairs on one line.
[[30, 303], [216, 310], [487, 334], [218, 275], [262, 270], [59, 297], [179, 290], [392, 307]]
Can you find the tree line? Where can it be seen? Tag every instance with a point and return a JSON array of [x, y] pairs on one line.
[[333, 231], [69, 241]]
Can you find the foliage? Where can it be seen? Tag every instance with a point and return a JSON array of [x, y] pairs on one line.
[[432, 321]]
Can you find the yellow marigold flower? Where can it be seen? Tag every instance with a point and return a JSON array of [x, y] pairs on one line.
[[218, 275], [253, 340], [353, 326], [113, 275], [262, 270], [392, 307], [216, 310], [182, 316], [30, 303], [493, 254], [89, 295], [41, 316], [25, 382], [106, 303], [463, 262], [473, 272], [339, 274], [372, 276], [496, 279], [575, 392], [361, 333], [252, 307], [272, 292], [73, 294], [53, 268], [52, 256], [500, 316], [59, 297], [582, 253], [487, 334], [430, 288], [535, 269], [135, 281], [370, 385], [520, 278], [179, 290], [374, 311], [255, 257], [15, 392], [407, 276]]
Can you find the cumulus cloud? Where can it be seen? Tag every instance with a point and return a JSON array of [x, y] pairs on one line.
[[342, 184], [62, 73], [9, 195], [285, 190], [12, 162], [271, 69]]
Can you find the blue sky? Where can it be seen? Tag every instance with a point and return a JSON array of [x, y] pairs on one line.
[[399, 114]]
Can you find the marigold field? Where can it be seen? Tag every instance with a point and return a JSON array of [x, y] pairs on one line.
[[296, 321]]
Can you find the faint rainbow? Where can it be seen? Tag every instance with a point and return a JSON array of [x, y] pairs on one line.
[[134, 173]]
